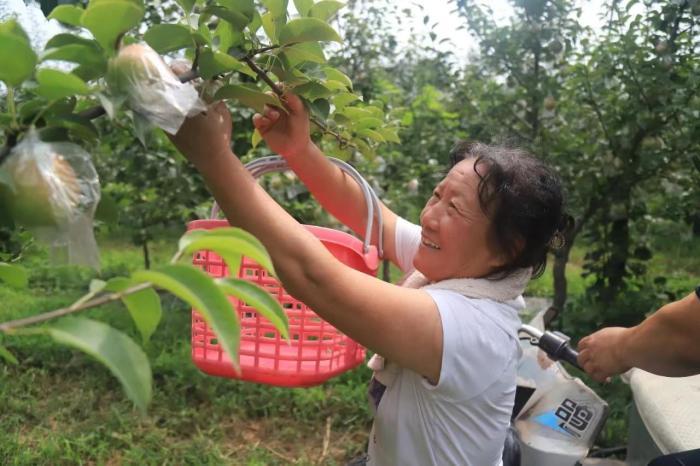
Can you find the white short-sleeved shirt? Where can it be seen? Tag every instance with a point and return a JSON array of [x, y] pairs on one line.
[[464, 418]]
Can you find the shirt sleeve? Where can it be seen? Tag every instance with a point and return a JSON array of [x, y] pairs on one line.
[[406, 243], [475, 351]]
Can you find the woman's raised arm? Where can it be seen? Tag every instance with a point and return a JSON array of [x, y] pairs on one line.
[[401, 324], [288, 135]]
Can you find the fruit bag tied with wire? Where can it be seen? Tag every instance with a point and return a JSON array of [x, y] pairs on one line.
[[52, 189], [140, 77]]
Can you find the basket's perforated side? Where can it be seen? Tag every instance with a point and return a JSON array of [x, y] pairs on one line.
[[314, 352]]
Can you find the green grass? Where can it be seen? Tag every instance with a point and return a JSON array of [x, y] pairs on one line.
[[61, 407]]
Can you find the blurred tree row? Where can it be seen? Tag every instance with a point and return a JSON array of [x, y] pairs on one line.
[[615, 110]]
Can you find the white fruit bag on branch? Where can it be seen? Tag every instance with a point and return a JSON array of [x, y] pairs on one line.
[[52, 189], [141, 77]]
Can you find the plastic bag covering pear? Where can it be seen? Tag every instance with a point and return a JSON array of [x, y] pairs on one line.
[[53, 190], [139, 75]]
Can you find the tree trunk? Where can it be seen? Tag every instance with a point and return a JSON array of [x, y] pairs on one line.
[[146, 254], [386, 276], [561, 258], [615, 269], [695, 220]]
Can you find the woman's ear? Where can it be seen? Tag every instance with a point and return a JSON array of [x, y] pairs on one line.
[[502, 257]]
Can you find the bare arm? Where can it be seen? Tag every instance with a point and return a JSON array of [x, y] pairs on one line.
[[338, 193], [666, 343], [402, 324]]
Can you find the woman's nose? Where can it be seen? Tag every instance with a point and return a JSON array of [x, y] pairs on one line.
[[430, 217]]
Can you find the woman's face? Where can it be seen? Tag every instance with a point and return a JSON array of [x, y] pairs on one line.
[[455, 237]]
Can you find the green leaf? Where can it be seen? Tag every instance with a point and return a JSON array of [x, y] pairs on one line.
[[249, 97], [369, 122], [212, 63], [59, 40], [77, 53], [320, 108], [89, 72], [303, 6], [109, 19], [112, 348], [143, 306], [227, 36], [307, 30], [7, 356], [97, 285], [258, 298], [14, 275], [371, 134], [375, 112], [389, 134], [54, 84], [229, 243], [186, 5], [335, 75], [341, 100], [237, 19], [355, 113], [312, 91], [164, 38], [107, 210], [335, 85], [325, 9], [255, 23], [203, 294], [270, 26], [16, 55], [67, 14], [203, 35], [244, 7], [256, 139], [278, 8], [78, 126], [304, 52]]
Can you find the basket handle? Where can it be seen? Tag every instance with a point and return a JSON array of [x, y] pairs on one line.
[[275, 163]]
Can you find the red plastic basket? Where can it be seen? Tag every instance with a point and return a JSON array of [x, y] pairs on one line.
[[315, 351]]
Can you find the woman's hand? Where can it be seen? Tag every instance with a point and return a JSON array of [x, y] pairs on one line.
[[205, 136], [285, 134]]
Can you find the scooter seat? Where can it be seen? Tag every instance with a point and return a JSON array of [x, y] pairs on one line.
[[669, 408]]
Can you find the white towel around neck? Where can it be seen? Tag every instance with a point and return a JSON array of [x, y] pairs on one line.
[[501, 290]]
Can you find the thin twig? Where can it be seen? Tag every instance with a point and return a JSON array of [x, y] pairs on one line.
[[7, 327], [279, 455], [326, 441], [342, 142], [263, 49]]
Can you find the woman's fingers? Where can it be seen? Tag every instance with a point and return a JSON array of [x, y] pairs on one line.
[[264, 121], [271, 113], [261, 123], [583, 357], [294, 103]]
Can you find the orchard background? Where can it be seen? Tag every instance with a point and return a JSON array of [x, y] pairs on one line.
[[616, 111]]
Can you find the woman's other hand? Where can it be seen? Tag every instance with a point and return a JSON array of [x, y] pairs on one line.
[[285, 133], [601, 354]]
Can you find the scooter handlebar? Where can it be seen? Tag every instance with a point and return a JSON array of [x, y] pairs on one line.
[[558, 348]]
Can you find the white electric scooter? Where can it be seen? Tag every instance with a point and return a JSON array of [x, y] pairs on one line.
[[557, 418]]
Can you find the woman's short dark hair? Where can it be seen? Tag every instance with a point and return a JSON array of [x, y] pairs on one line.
[[523, 199]]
